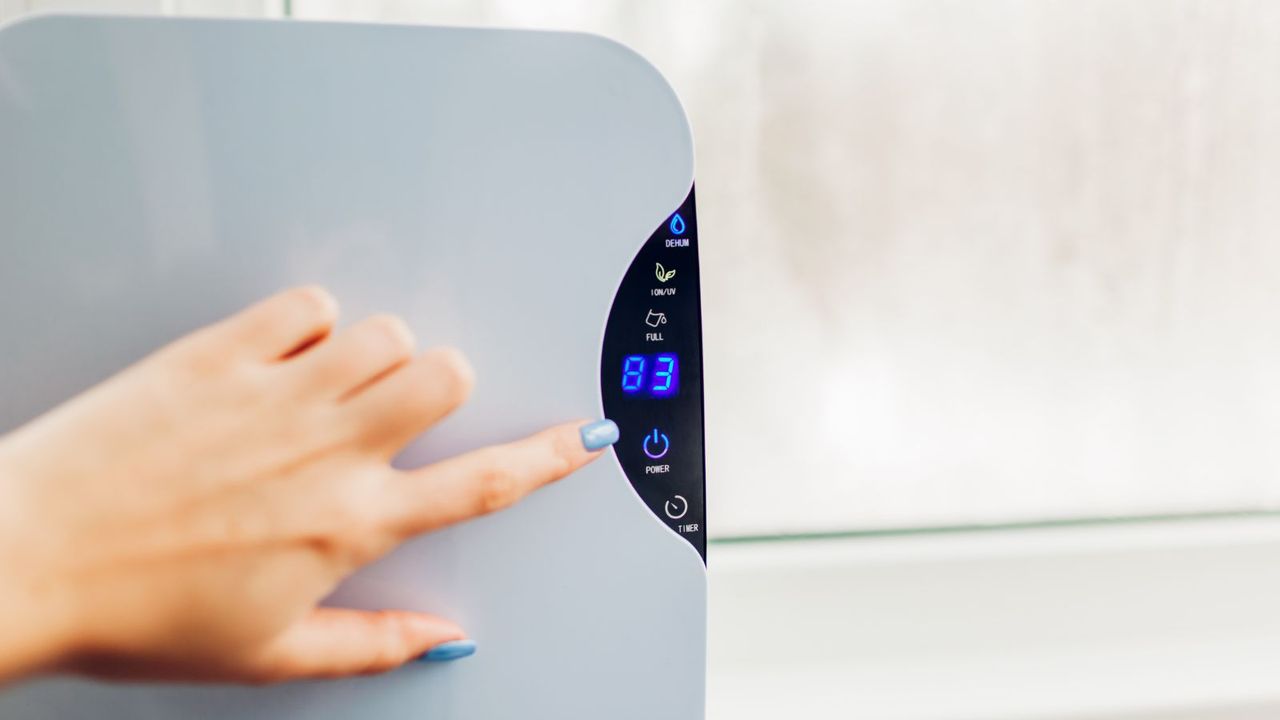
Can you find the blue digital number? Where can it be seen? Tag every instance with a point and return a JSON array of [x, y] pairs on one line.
[[657, 376], [633, 373], [666, 375]]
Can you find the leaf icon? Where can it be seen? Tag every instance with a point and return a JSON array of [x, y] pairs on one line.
[[660, 272], [670, 274]]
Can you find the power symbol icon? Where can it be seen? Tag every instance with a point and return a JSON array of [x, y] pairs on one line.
[[656, 444]]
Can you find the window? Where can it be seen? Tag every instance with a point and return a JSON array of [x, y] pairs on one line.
[[1009, 261]]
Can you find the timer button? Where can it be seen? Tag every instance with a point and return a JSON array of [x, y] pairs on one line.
[[656, 444], [676, 507]]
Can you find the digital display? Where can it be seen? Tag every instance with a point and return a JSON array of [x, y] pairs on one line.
[[655, 376]]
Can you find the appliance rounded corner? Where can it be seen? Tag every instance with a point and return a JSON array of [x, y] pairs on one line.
[[630, 56], [26, 21]]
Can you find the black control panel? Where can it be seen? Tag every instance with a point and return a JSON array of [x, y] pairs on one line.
[[651, 376]]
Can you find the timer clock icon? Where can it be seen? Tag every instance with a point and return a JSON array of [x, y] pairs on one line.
[[676, 507], [656, 444]]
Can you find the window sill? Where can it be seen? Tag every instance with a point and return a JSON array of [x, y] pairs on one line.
[[1173, 619]]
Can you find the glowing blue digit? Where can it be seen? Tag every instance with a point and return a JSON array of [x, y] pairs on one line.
[[632, 373], [666, 375]]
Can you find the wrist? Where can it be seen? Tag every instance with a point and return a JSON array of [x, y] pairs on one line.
[[36, 607], [32, 628]]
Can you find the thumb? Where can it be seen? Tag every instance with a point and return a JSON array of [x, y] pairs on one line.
[[336, 642]]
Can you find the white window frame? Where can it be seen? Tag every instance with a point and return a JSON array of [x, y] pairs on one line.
[[1160, 619]]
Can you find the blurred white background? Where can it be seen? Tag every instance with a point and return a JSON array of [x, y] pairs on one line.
[[965, 263], [970, 263]]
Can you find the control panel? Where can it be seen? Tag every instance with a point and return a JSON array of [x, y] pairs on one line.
[[651, 376]]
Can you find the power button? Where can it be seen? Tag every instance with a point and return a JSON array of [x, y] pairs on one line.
[[656, 444]]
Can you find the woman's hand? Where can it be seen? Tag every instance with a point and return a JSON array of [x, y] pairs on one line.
[[183, 519]]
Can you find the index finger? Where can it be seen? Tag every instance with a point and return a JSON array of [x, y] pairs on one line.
[[493, 478]]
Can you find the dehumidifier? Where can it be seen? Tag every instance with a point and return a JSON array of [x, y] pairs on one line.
[[525, 196]]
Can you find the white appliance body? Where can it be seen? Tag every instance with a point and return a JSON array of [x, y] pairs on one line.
[[506, 192]]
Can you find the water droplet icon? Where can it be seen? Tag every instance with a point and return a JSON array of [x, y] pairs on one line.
[[677, 224]]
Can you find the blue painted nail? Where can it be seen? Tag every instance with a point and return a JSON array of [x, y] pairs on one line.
[[452, 650], [599, 434]]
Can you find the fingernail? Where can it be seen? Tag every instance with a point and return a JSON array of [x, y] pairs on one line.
[[599, 434], [451, 650]]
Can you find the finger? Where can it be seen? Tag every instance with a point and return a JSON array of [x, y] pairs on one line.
[[281, 324], [407, 401], [336, 642], [358, 354], [488, 480]]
